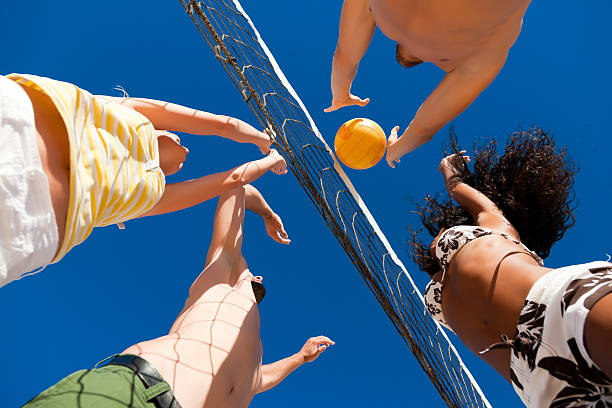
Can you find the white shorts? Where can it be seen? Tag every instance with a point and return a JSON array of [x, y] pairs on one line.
[[550, 365], [28, 230]]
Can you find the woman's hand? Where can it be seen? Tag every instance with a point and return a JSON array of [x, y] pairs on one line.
[[262, 140], [278, 163], [449, 165]]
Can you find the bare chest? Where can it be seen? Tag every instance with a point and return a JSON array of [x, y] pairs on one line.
[[212, 355], [450, 29]]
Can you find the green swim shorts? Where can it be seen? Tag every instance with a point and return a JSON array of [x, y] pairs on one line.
[[111, 386]]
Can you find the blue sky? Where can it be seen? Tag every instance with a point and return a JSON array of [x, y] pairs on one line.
[[121, 287]]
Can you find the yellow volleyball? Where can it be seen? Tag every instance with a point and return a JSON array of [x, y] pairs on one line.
[[360, 143]]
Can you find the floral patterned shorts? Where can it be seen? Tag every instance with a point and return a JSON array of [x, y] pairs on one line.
[[549, 364]]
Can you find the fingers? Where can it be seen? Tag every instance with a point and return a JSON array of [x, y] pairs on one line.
[[363, 102], [264, 146], [280, 168], [281, 165], [321, 340], [456, 154], [352, 100], [282, 235], [391, 159], [265, 149], [331, 108], [282, 230], [280, 239], [315, 346], [275, 229], [393, 136]]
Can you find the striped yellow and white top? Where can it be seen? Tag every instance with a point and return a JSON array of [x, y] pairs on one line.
[[114, 159]]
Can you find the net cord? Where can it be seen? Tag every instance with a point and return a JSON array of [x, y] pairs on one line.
[[350, 186], [250, 93]]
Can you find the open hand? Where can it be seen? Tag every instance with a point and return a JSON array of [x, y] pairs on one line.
[[315, 346], [280, 165], [448, 165], [351, 99], [392, 156], [275, 229]]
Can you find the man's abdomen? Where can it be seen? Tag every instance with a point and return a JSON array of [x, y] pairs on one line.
[[212, 357]]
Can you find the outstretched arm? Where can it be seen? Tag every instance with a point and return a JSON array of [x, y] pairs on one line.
[[173, 117], [453, 95], [255, 202], [483, 211], [273, 374], [178, 196], [355, 34]]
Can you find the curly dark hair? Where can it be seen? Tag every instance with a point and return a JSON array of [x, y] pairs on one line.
[[532, 183]]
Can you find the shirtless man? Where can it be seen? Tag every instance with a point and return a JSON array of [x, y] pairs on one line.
[[469, 40], [212, 355]]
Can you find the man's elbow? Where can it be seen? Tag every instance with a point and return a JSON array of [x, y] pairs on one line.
[[263, 385]]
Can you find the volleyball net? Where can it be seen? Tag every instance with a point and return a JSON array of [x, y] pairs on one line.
[[248, 62]]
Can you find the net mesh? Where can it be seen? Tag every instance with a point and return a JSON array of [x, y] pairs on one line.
[[239, 48]]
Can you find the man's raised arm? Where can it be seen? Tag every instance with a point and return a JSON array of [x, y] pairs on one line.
[[355, 34], [453, 95]]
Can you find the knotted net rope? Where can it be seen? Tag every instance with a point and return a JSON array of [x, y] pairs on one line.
[[237, 45]]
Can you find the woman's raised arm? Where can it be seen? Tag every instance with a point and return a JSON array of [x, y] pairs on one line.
[[178, 196], [483, 211], [173, 117]]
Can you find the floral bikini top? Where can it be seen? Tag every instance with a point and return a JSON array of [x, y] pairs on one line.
[[449, 243]]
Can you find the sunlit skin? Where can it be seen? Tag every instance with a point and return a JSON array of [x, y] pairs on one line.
[[489, 278], [212, 356], [468, 40], [54, 150]]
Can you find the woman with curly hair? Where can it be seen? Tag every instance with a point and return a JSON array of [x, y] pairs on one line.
[[554, 324]]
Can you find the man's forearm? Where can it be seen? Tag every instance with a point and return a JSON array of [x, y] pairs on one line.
[[412, 138], [356, 29], [453, 95], [273, 374], [342, 75]]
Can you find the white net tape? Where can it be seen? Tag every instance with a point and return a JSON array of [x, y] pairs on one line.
[[236, 43]]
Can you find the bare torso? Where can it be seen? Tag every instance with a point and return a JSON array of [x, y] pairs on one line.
[[484, 291], [54, 150], [446, 32], [212, 355]]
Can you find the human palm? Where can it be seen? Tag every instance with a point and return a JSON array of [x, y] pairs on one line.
[[275, 228]]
